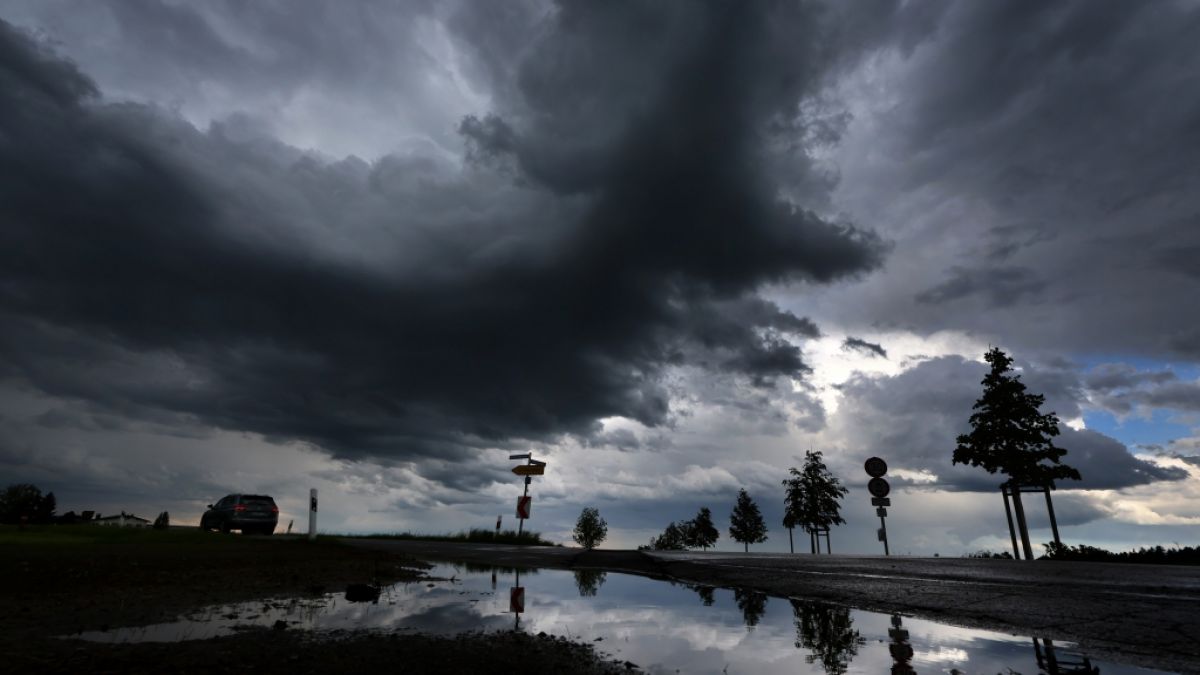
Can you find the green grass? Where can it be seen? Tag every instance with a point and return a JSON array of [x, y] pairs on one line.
[[475, 535]]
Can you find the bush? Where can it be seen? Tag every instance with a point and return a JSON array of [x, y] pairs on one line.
[[1003, 555], [1156, 555]]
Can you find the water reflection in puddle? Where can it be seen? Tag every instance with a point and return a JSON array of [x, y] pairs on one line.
[[662, 627]]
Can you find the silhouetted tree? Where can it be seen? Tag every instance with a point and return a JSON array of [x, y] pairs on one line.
[[705, 593], [798, 507], [589, 581], [590, 529], [746, 522], [825, 493], [812, 498], [827, 631], [700, 531], [794, 505], [46, 508], [752, 603], [673, 538], [1009, 435], [22, 499]]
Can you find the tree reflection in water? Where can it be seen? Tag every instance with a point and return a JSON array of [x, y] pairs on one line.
[[752, 604], [705, 593], [589, 581], [828, 632]]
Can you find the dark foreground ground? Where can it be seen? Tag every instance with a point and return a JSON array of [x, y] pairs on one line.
[[1147, 615], [60, 581]]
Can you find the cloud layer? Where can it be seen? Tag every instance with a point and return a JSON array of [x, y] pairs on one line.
[[408, 306]]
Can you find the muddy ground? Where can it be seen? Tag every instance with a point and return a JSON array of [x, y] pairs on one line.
[[61, 581]]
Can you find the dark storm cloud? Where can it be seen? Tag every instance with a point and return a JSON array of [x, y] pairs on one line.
[[1038, 162], [1122, 389], [404, 307], [859, 344], [912, 419], [1001, 286], [293, 65]]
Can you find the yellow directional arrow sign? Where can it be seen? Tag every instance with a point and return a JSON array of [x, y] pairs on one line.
[[530, 470]]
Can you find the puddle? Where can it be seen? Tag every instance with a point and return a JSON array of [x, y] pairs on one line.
[[662, 627]]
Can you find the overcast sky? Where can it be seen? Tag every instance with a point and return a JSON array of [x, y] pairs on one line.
[[373, 248]]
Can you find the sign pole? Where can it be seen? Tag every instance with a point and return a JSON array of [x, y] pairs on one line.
[[879, 489], [312, 514], [883, 529], [521, 521], [529, 469]]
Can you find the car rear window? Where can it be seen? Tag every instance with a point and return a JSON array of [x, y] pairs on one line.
[[257, 499]]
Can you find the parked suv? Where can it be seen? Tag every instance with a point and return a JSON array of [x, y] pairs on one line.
[[252, 514]]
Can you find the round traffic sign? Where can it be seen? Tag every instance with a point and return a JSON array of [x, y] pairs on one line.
[[875, 467], [878, 487]]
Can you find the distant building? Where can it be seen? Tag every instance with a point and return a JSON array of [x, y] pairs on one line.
[[123, 520]]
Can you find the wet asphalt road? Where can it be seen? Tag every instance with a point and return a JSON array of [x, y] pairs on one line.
[[1147, 615]]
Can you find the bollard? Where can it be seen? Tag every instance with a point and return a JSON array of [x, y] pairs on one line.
[[312, 514]]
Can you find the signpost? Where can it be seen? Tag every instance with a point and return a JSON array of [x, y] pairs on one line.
[[879, 489], [531, 468]]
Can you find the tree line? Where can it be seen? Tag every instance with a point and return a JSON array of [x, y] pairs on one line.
[[25, 503], [1009, 434], [811, 501]]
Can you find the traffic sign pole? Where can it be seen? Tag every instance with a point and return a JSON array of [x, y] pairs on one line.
[[883, 531], [521, 521], [879, 489], [530, 468]]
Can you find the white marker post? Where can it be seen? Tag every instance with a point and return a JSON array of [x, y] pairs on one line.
[[312, 514]]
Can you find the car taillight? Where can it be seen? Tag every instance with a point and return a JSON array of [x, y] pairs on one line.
[[274, 509], [240, 507]]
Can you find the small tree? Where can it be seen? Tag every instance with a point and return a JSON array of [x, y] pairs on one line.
[[700, 532], [825, 494], [795, 505], [746, 522], [1009, 435], [812, 499], [590, 529]]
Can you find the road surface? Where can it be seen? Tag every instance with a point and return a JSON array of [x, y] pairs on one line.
[[1147, 615]]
